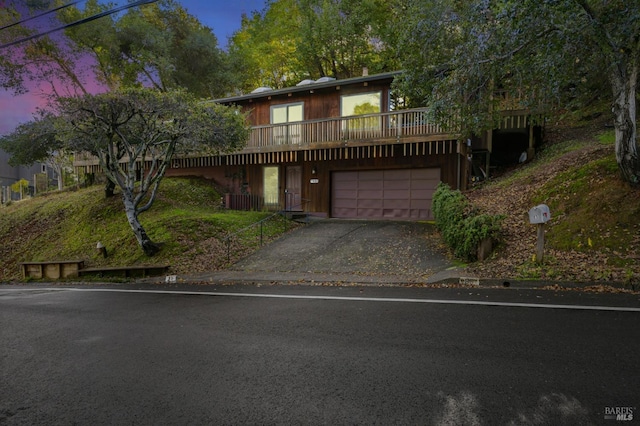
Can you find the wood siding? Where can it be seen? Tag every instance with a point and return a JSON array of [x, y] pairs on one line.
[[317, 170], [318, 104]]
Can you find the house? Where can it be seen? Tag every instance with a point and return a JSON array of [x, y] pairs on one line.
[[10, 175], [341, 149]]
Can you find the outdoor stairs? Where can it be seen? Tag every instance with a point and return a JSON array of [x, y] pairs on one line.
[[302, 217]]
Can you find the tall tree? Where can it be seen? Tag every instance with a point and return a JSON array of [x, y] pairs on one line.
[[341, 37], [160, 45], [37, 141], [11, 72], [264, 49], [157, 44], [134, 133], [291, 40], [549, 54]]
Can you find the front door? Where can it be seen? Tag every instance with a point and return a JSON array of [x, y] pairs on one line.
[[293, 191]]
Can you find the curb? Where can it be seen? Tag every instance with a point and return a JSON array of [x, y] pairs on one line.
[[447, 278]]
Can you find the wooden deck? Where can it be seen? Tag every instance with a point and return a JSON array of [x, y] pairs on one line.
[[404, 126], [369, 129], [282, 141]]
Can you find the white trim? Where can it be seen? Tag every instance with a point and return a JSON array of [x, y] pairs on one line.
[[340, 298]]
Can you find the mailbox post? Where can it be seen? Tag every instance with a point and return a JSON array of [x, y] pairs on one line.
[[539, 215]]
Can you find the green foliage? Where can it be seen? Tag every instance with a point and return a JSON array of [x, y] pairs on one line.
[[292, 40], [126, 128], [32, 142], [339, 38], [263, 51], [158, 45], [462, 227], [607, 138], [11, 71], [544, 54], [20, 187], [477, 58]]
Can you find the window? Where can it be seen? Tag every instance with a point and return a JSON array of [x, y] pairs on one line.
[[270, 185], [361, 104], [364, 103], [282, 115]]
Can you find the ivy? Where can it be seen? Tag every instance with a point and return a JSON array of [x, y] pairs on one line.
[[462, 226]]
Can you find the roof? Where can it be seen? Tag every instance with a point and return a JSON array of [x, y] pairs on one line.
[[309, 86]]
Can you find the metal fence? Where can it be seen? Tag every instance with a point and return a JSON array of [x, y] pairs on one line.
[[262, 231]]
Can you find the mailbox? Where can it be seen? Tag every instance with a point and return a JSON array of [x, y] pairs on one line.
[[539, 214]]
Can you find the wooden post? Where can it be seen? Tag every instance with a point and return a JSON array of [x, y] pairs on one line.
[[489, 150], [540, 244], [531, 152]]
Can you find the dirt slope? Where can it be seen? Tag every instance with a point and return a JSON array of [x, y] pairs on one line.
[[594, 234]]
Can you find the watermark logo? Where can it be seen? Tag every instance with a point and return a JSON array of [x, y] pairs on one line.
[[622, 414]]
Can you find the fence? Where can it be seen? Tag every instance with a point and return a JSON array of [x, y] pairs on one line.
[[256, 234], [246, 202]]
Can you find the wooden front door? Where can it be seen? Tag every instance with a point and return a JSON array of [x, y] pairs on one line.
[[293, 189]]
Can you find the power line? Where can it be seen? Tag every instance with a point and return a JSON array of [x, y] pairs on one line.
[[39, 15], [80, 21]]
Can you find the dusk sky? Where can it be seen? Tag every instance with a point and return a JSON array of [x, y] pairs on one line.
[[223, 16]]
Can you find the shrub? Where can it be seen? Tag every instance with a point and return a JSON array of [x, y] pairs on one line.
[[461, 225]]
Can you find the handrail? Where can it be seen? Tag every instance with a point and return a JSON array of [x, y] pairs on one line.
[[388, 125], [261, 222]]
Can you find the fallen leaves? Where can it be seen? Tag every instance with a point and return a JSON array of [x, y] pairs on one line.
[[583, 263]]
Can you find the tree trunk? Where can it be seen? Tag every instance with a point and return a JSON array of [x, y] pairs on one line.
[[59, 171], [624, 83], [149, 247], [109, 188]]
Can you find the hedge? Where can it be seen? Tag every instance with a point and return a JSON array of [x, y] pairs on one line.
[[462, 226]]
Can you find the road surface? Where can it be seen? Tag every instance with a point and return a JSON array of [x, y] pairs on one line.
[[316, 355]]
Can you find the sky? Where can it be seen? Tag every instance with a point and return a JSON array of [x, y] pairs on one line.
[[223, 16]]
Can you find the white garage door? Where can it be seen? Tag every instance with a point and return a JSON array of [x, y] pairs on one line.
[[383, 194]]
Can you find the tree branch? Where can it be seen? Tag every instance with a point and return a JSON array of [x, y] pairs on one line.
[[511, 53]]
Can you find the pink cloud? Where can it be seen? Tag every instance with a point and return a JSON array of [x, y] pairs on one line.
[[17, 109]]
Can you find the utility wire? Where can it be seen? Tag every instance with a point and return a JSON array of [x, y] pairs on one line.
[[80, 21], [39, 15]]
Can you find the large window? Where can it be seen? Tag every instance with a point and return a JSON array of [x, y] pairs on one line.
[[282, 115], [270, 186], [361, 104]]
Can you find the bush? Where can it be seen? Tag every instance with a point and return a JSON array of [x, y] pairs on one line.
[[461, 225]]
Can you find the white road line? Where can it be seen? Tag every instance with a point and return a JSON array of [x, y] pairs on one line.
[[343, 298]]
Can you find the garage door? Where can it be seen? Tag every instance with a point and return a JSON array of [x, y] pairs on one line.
[[383, 194]]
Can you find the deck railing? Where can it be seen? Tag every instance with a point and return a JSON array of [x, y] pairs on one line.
[[381, 128], [369, 127]]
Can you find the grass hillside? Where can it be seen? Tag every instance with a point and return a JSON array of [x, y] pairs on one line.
[[186, 219], [594, 233]]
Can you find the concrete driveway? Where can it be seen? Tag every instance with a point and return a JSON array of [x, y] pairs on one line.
[[344, 251]]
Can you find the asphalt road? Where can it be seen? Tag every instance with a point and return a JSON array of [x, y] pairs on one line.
[[316, 355]]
